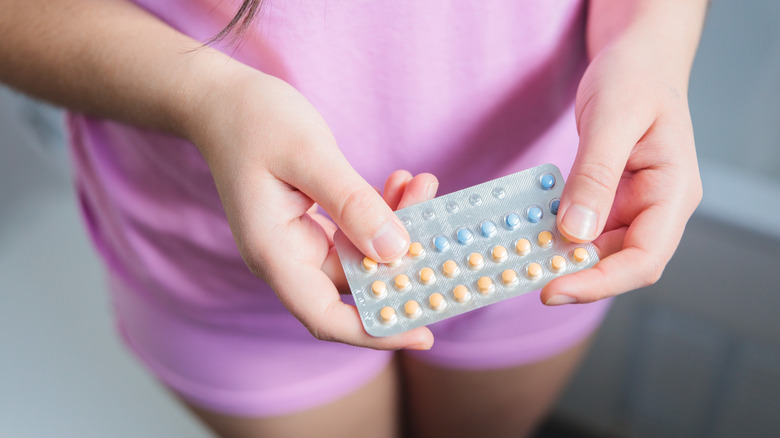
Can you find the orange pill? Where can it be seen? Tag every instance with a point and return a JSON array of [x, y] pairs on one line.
[[427, 276], [544, 239], [533, 270], [558, 263], [450, 268], [369, 265], [387, 315], [498, 253], [416, 250], [461, 293], [379, 288], [401, 281], [484, 285], [394, 263], [412, 309], [523, 246], [580, 255], [508, 277], [437, 301], [476, 261]]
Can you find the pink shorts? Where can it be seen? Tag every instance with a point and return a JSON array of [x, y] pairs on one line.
[[266, 363]]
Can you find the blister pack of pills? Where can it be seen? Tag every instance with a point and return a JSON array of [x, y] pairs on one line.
[[470, 248]]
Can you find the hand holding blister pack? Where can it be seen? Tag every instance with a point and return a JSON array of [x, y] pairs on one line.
[[470, 248]]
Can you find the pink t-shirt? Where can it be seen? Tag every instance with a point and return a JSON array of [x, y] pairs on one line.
[[466, 90]]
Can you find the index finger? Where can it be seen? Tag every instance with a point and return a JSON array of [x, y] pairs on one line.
[[630, 258], [311, 297]]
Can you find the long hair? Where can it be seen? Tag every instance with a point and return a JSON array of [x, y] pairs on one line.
[[239, 24]]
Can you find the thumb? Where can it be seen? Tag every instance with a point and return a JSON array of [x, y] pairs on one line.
[[606, 141], [356, 207]]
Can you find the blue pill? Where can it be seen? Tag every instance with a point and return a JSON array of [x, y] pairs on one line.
[[534, 214], [441, 243], [554, 206], [512, 221], [547, 181], [465, 236], [488, 229]]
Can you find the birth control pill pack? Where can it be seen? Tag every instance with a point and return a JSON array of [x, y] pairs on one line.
[[470, 248]]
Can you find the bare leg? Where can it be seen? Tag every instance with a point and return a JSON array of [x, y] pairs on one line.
[[371, 411], [441, 402]]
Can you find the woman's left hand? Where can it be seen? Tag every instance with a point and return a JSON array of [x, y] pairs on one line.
[[635, 181]]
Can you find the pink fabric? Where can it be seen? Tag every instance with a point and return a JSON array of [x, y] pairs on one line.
[[465, 90]]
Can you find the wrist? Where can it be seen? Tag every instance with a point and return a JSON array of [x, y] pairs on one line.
[[239, 108], [208, 83], [659, 35], [648, 64]]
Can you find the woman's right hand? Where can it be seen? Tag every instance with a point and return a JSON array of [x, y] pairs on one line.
[[272, 156], [274, 159]]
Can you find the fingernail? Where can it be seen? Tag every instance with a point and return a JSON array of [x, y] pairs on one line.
[[432, 187], [557, 300], [391, 241], [580, 222]]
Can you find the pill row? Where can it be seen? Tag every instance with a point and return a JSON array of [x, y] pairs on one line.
[[460, 293], [475, 261], [427, 276], [488, 229]]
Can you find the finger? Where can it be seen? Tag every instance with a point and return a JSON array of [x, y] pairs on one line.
[[333, 269], [608, 133], [610, 242], [395, 186], [326, 224], [421, 188], [351, 202], [323, 221], [311, 297], [606, 244], [648, 244]]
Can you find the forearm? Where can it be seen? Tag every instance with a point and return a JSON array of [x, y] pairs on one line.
[[664, 32], [107, 58]]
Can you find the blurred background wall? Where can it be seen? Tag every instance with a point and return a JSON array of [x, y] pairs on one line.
[[697, 354]]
